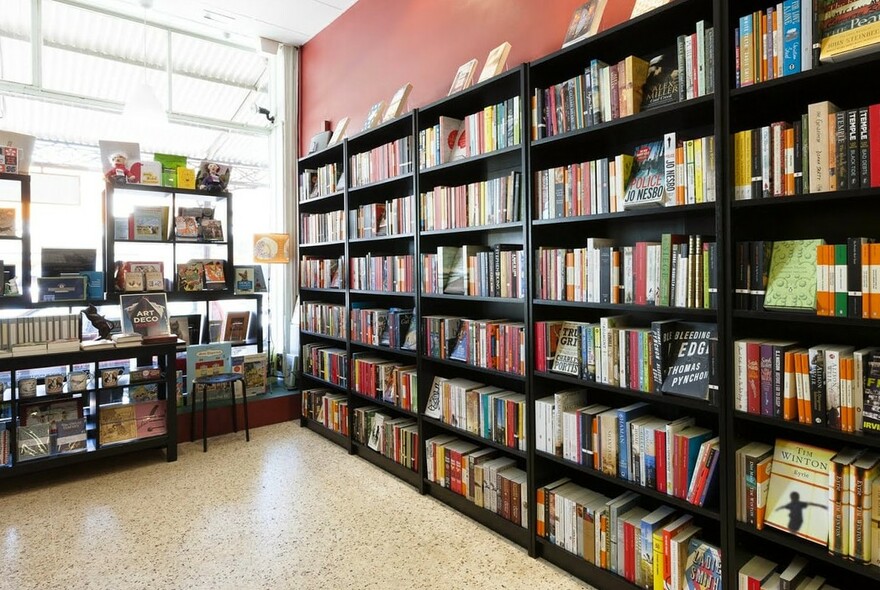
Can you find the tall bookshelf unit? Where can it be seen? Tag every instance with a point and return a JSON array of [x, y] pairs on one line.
[[16, 249], [719, 115]]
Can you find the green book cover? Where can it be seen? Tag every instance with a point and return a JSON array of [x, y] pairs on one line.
[[666, 242], [840, 292], [792, 283]]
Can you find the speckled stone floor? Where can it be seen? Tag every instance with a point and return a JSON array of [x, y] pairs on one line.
[[287, 510]]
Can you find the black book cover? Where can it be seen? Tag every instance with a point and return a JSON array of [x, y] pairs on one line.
[[757, 175], [864, 150], [680, 57], [854, 276], [840, 159], [817, 384], [779, 350], [759, 267], [741, 280], [853, 174], [691, 360], [661, 331], [798, 160], [713, 275], [871, 412], [662, 83]]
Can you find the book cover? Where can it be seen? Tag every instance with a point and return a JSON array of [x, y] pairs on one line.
[[643, 6], [398, 103], [568, 350], [7, 222], [646, 185], [797, 499], [463, 79], [256, 371], [871, 394], [495, 62], [691, 358], [374, 116], [207, 359], [215, 274], [211, 230], [661, 84], [186, 227], [190, 276], [339, 132], [792, 282], [150, 418], [235, 326], [145, 314], [849, 29], [118, 423], [149, 223], [584, 22], [244, 280], [703, 569], [70, 435]]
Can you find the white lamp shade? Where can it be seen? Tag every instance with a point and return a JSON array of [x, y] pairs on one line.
[[142, 104]]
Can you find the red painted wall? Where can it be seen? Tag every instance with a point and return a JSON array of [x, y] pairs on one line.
[[261, 412], [377, 46]]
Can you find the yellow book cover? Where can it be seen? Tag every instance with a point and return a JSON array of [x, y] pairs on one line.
[[699, 195], [186, 177], [657, 542], [797, 501], [853, 42]]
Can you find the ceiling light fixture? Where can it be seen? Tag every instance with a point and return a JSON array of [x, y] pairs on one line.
[[142, 105]]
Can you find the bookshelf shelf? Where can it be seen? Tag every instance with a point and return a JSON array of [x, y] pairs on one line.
[[381, 184], [476, 229], [326, 383], [474, 437], [663, 399], [846, 198], [337, 196], [487, 518], [469, 367], [677, 211], [450, 297], [789, 317], [323, 336], [322, 244], [394, 468], [696, 312], [670, 500], [472, 161], [382, 293], [811, 550], [583, 569], [379, 239], [168, 190], [384, 404], [854, 438], [326, 290], [385, 349], [330, 435]]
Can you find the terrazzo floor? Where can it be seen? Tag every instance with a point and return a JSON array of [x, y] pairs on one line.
[[287, 510]]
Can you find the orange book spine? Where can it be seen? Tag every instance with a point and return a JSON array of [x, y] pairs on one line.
[[763, 49], [789, 161], [789, 397], [874, 280], [680, 186]]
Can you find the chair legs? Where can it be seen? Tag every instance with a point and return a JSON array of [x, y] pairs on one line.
[[204, 419], [247, 432], [192, 419]]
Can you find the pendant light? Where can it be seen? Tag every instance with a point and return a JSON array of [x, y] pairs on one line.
[[142, 106]]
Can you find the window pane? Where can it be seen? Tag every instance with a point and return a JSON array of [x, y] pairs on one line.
[[15, 42]]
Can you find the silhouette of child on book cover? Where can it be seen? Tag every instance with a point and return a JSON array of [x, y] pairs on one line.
[[796, 510]]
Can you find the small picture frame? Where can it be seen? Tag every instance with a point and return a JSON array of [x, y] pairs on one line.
[[77, 381], [54, 384], [110, 377], [27, 387]]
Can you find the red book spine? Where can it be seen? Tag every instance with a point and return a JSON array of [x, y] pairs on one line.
[[641, 268], [511, 423], [660, 458], [753, 377], [629, 559], [874, 143]]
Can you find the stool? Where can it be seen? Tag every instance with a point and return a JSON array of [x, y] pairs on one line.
[[229, 379]]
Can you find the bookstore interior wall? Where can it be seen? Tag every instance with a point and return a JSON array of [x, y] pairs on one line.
[[648, 394]]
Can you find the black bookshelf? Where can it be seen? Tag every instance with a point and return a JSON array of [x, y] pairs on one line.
[[393, 467], [439, 424], [382, 403], [331, 435]]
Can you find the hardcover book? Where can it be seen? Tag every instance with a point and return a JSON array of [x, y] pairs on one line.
[[255, 369], [150, 418], [661, 84], [871, 412], [792, 282], [464, 77], [186, 227], [145, 314], [397, 106], [495, 62], [691, 360], [212, 230], [375, 115], [643, 6], [215, 275], [207, 359], [646, 185], [797, 501], [339, 132], [149, 223], [584, 22], [118, 423], [190, 276], [235, 326], [70, 435], [244, 280]]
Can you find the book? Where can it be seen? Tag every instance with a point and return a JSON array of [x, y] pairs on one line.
[[150, 223], [339, 132], [703, 569], [7, 221], [243, 281], [662, 82], [235, 326], [185, 227], [215, 274], [643, 6], [792, 282], [647, 182], [691, 360], [568, 350], [211, 230], [256, 370], [495, 62], [464, 77], [397, 106], [150, 418], [207, 359], [585, 21], [374, 116], [797, 499], [852, 29], [118, 423], [145, 314], [190, 276]]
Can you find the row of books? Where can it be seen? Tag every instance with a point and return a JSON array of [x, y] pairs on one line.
[[484, 476], [482, 271], [38, 328], [381, 163], [391, 274], [193, 275], [678, 271], [658, 549], [821, 495], [327, 408], [129, 421], [393, 217], [605, 92], [321, 273], [670, 356], [320, 182], [395, 438], [668, 172], [826, 149], [389, 381], [764, 574], [191, 228], [5, 455], [488, 202], [393, 327], [317, 228], [674, 457], [838, 280], [825, 385], [491, 412], [326, 362], [323, 318], [775, 42], [495, 127], [491, 344]]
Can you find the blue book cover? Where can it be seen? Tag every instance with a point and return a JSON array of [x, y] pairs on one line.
[[207, 359], [791, 37], [624, 416]]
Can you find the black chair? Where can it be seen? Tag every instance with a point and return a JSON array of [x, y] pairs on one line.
[[228, 379]]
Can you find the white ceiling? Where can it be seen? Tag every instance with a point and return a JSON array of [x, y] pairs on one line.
[[288, 21]]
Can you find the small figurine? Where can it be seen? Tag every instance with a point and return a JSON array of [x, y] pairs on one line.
[[212, 178], [119, 173], [98, 321]]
